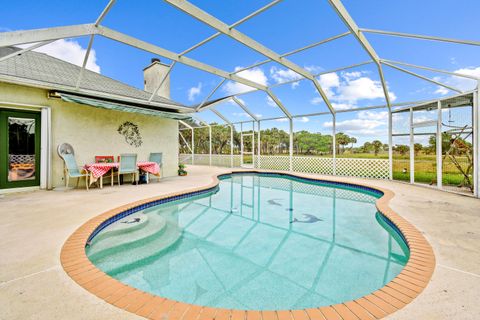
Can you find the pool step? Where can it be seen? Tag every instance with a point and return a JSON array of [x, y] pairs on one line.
[[143, 252], [121, 236], [129, 224], [117, 239]]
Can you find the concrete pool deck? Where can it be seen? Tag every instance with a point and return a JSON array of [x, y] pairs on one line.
[[35, 225]]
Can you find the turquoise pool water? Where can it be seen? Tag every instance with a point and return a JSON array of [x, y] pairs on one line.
[[257, 242]]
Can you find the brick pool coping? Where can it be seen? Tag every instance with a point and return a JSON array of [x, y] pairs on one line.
[[396, 294]]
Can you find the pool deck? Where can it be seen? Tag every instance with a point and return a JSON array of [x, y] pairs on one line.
[[35, 225]]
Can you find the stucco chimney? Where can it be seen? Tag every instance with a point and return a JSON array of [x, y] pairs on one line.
[[153, 75]]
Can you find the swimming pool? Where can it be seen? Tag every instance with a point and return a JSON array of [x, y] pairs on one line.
[[256, 242]]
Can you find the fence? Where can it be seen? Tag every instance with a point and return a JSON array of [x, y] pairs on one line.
[[364, 168]]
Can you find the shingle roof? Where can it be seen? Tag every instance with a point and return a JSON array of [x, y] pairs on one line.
[[54, 73]]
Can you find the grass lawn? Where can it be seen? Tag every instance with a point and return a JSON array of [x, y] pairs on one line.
[[425, 166]]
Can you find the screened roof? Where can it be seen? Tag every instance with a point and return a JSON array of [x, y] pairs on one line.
[[257, 60]]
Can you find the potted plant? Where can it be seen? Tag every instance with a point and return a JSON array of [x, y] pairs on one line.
[[181, 170]]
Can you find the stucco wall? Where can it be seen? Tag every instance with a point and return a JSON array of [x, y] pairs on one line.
[[93, 131]]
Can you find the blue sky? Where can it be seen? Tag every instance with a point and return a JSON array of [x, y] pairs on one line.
[[287, 26]]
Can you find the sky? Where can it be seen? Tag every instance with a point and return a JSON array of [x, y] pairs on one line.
[[288, 25]]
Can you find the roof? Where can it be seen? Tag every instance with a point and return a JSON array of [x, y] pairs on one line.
[[41, 70]]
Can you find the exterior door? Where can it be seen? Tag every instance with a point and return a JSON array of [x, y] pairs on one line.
[[19, 149]]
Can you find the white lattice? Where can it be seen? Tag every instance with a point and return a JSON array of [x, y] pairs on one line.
[[273, 163], [365, 168], [313, 165], [220, 160], [185, 158], [21, 158]]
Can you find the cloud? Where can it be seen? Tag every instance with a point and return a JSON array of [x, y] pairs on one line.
[[313, 69], [70, 51], [283, 75], [346, 89], [365, 123], [255, 74], [442, 91], [302, 119], [328, 82], [245, 115], [373, 115], [461, 83], [193, 92], [362, 88], [271, 103]]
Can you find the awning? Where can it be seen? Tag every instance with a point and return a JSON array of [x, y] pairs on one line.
[[120, 106]]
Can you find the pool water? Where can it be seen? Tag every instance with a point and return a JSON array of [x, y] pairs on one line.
[[258, 242]]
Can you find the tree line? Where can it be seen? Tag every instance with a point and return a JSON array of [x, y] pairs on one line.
[[277, 141]]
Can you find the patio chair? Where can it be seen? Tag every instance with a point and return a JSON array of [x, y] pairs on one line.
[[157, 157], [72, 171], [128, 165]]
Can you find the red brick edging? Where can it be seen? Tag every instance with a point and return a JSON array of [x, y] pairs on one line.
[[393, 296]]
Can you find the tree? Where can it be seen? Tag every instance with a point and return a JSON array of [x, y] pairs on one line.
[[342, 140], [367, 147], [353, 140], [402, 149], [417, 147], [377, 146]]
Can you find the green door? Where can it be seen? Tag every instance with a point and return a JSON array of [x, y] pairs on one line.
[[19, 149]]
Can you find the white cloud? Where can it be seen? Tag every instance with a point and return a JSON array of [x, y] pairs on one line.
[[461, 83], [328, 82], [356, 126], [365, 123], [313, 69], [373, 115], [70, 51], [316, 100], [302, 119], [256, 75], [271, 103], [442, 91], [284, 75], [346, 89], [362, 88], [281, 120], [245, 115], [193, 92], [343, 106]]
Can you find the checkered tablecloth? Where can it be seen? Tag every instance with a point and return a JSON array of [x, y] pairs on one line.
[[99, 169], [150, 167]]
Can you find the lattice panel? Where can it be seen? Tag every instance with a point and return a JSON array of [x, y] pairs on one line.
[[220, 160], [313, 165], [364, 168], [201, 159], [273, 163], [185, 158], [223, 160], [21, 158]]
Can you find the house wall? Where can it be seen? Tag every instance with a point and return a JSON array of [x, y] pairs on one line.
[[93, 131]]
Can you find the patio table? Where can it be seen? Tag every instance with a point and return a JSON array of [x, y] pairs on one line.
[[149, 167], [98, 170]]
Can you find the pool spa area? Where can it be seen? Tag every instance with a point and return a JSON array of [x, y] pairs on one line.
[[256, 242]]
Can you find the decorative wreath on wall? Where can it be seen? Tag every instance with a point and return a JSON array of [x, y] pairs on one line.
[[131, 133]]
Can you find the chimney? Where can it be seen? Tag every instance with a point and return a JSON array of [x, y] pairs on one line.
[[153, 75]]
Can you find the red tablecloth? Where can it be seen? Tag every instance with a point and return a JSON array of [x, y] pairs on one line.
[[99, 169], [150, 167]]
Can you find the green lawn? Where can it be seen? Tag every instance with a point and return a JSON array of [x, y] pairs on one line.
[[425, 166]]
